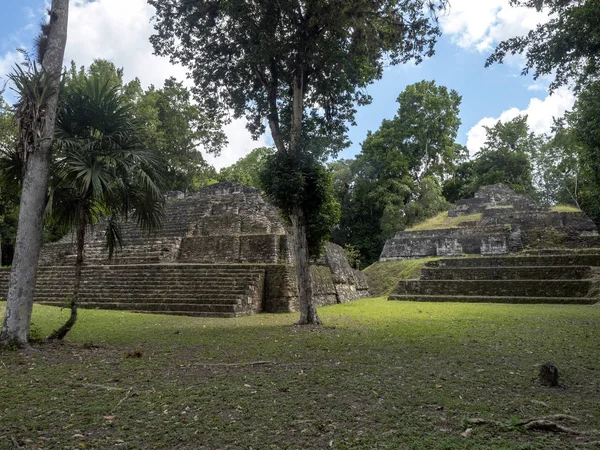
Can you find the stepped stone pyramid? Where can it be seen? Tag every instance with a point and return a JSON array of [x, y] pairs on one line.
[[497, 221], [516, 252], [222, 252]]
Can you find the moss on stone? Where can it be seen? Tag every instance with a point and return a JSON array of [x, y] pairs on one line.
[[442, 221], [565, 208]]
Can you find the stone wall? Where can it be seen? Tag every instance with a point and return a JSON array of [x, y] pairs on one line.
[[447, 242], [509, 223], [224, 224]]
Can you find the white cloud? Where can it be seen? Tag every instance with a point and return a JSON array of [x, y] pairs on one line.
[[119, 31], [540, 114], [8, 61], [480, 24], [240, 144]]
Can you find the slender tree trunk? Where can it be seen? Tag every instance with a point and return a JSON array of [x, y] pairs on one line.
[[17, 321], [81, 224], [308, 310]]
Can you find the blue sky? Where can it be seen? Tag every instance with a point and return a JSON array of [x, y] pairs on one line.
[[118, 30]]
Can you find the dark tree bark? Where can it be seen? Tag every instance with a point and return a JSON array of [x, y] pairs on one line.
[[81, 224], [17, 321], [308, 309]]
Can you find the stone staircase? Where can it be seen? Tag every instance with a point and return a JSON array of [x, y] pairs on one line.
[[193, 218], [553, 278], [182, 289]]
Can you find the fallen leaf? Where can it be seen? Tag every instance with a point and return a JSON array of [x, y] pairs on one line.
[[467, 432], [109, 417]]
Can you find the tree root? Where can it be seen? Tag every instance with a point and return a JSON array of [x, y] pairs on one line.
[[540, 424]]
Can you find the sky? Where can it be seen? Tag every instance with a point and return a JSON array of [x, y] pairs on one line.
[[118, 30]]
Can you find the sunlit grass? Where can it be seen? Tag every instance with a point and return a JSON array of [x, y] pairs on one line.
[[384, 276], [565, 208], [378, 374], [442, 221]]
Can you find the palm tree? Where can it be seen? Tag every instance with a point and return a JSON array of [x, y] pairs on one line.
[[100, 171]]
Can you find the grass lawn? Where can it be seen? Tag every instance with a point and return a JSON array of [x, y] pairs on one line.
[[380, 374], [383, 276]]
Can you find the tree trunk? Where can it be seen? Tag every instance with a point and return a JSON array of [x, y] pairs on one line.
[[62, 331], [308, 310], [17, 321]]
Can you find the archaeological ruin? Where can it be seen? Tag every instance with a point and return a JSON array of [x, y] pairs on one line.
[[497, 221], [513, 251], [221, 252]]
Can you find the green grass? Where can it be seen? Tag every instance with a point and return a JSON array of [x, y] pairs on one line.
[[442, 221], [565, 208], [386, 375], [384, 276]]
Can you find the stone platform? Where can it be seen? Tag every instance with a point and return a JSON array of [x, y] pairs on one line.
[[222, 252], [563, 279], [505, 223]]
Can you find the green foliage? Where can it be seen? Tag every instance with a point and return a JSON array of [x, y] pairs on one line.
[[34, 87], [171, 124], [247, 169], [11, 169], [352, 255], [101, 168], [288, 182], [566, 46], [395, 181], [558, 172], [177, 128], [506, 157], [251, 57], [585, 123]]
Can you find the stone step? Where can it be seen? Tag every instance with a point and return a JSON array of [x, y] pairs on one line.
[[158, 307], [153, 281], [562, 251], [591, 259], [495, 299], [163, 267], [506, 273], [139, 271], [207, 314], [511, 288], [167, 289], [151, 297]]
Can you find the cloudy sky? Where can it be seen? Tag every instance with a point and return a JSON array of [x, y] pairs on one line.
[[118, 30]]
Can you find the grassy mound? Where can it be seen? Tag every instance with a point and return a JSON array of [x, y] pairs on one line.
[[383, 276], [565, 208], [442, 221], [387, 375]]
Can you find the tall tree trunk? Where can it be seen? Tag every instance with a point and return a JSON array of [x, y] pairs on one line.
[[17, 321], [81, 224], [308, 310]]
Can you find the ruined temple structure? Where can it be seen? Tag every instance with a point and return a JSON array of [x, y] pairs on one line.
[[506, 250], [497, 221], [222, 252]]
